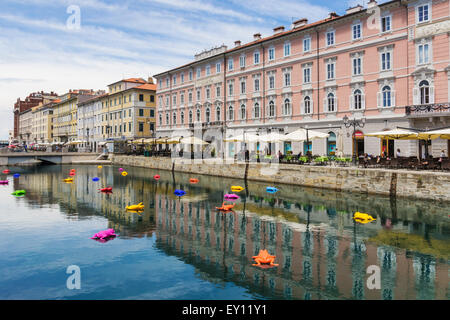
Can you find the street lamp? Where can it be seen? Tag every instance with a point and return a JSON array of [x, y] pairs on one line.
[[354, 123]]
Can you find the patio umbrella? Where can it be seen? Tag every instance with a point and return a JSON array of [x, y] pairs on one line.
[[173, 140], [247, 137], [303, 135], [193, 140], [398, 134], [430, 135], [138, 141], [161, 140], [271, 137]]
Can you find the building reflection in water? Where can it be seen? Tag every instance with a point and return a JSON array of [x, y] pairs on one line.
[[322, 253]]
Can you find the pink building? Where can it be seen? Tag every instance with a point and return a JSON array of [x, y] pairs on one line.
[[387, 63]]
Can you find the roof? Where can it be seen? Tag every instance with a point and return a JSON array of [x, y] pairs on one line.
[[134, 80], [277, 35], [147, 86], [93, 98]]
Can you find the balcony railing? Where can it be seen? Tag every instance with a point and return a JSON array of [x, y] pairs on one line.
[[207, 124], [422, 109]]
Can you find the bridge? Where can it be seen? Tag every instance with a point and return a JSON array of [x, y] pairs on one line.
[[34, 158]]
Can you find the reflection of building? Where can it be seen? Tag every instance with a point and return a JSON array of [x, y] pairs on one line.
[[388, 63], [315, 262]]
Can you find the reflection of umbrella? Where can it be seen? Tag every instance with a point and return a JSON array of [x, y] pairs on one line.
[[193, 140], [443, 134], [303, 135], [400, 134]]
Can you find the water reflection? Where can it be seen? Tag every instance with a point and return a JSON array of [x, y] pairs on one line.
[[321, 251]]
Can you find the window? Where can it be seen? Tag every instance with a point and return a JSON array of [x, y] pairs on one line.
[[167, 118], [271, 82], [190, 96], [356, 31], [356, 66], [271, 54], [129, 125], [182, 117], [160, 120], [230, 113], [243, 113], [198, 95], [330, 71], [129, 112], [423, 54], [199, 72], [218, 67], [306, 75], [256, 85], [174, 117], [152, 113], [422, 13], [387, 96], [160, 83], [385, 23], [385, 61], [271, 109], [256, 111], [181, 97], [208, 70], [357, 100], [190, 116], [167, 82], [217, 91], [307, 105], [230, 64], [287, 79], [287, 49], [424, 88], [208, 115], [218, 114], [190, 75], [141, 112], [330, 38], [287, 107], [174, 99], [152, 98], [141, 97], [331, 102], [306, 44], [199, 115], [182, 78], [208, 93], [174, 79], [141, 127], [256, 57], [242, 87], [242, 61], [230, 89]]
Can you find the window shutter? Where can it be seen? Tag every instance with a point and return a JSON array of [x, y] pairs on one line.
[[335, 104], [416, 96], [363, 101], [431, 94], [302, 107], [325, 105], [392, 98], [379, 99], [351, 102], [311, 106]]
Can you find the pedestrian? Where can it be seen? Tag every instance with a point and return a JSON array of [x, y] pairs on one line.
[[398, 153], [441, 158]]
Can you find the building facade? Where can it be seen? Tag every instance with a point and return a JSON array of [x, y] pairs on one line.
[[42, 130], [388, 63]]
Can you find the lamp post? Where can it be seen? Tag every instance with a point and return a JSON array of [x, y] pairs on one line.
[[354, 123]]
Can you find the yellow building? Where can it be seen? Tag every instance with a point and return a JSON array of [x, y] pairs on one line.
[[42, 127], [65, 114], [127, 112]]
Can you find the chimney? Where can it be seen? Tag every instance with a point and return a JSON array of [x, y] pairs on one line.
[[278, 29], [354, 9], [257, 36], [371, 4], [150, 80], [299, 23], [237, 43], [332, 15]]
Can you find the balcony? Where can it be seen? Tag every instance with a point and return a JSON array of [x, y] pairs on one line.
[[432, 109], [205, 125]]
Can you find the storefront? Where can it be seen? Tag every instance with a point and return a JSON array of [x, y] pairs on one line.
[[331, 144], [358, 143]]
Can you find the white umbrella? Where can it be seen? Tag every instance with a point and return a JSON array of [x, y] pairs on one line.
[[398, 134], [442, 133], [271, 137], [302, 135], [247, 137], [193, 140]]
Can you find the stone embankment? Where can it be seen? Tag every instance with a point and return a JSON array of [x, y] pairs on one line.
[[401, 183]]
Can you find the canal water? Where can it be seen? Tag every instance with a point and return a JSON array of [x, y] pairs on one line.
[[183, 248]]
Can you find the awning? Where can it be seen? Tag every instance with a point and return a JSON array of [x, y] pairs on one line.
[[434, 134], [301, 135], [395, 134]]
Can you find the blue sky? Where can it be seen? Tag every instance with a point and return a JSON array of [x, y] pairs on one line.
[[127, 38]]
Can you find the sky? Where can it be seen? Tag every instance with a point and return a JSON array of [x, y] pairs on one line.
[[57, 45]]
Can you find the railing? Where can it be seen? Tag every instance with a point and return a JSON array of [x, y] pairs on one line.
[[207, 124], [427, 108]]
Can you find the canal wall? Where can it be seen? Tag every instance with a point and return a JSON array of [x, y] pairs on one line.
[[401, 183], [33, 158]]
